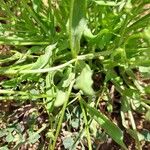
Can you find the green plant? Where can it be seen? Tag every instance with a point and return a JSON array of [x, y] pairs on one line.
[[56, 47]]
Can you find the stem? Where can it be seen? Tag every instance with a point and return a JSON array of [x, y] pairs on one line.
[[56, 68], [18, 92], [17, 42], [145, 105], [20, 95], [62, 116], [24, 97], [86, 125], [134, 128], [100, 97], [146, 101], [13, 92]]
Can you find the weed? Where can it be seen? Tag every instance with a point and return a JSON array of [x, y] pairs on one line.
[[57, 52]]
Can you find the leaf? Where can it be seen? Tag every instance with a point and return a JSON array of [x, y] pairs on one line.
[[67, 82], [84, 81], [43, 60], [61, 97], [77, 23], [36, 5], [147, 33], [4, 148], [144, 69], [66, 79], [114, 132], [146, 135], [34, 136], [3, 133], [147, 116], [67, 76], [147, 89], [9, 137], [75, 123], [35, 49], [106, 3], [68, 142]]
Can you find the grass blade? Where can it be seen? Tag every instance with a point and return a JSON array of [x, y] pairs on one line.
[[110, 128]]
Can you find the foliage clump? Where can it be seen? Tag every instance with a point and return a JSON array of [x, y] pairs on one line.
[[74, 74]]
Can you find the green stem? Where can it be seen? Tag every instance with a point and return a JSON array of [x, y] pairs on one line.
[[145, 105], [17, 42], [62, 116], [56, 68], [86, 125], [2, 91], [134, 128], [19, 95], [13, 92], [24, 97]]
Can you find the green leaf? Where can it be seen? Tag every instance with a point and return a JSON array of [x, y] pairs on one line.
[[144, 69], [68, 142], [147, 116], [66, 79], [75, 123], [134, 134], [3, 133], [61, 97], [43, 60], [147, 89], [9, 137], [36, 5], [114, 132], [147, 33], [67, 82], [33, 137], [146, 135], [84, 81], [4, 148], [77, 23], [106, 3]]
